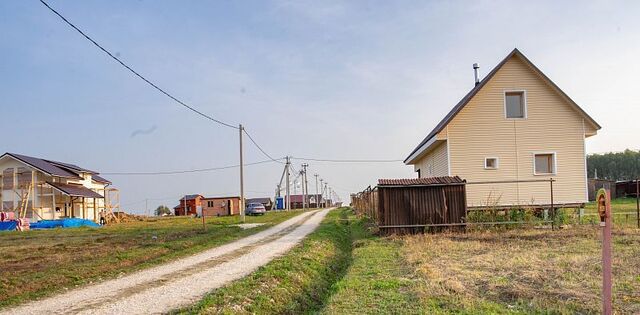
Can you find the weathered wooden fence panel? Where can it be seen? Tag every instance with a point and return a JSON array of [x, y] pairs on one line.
[[401, 206]]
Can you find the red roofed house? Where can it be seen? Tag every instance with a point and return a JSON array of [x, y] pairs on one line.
[[193, 205]]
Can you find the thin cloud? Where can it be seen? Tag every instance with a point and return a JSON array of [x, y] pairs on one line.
[[144, 131]]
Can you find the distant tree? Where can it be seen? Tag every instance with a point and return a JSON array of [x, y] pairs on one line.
[[614, 165], [163, 210]]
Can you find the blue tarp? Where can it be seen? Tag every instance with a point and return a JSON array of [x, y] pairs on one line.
[[8, 225], [63, 223]]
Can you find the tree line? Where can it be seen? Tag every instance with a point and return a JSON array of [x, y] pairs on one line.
[[614, 165]]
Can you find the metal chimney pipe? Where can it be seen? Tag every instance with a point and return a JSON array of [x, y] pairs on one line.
[[475, 72]]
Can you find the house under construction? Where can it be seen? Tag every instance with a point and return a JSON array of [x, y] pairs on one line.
[[40, 189]]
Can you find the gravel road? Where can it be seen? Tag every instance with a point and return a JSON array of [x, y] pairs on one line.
[[182, 282]]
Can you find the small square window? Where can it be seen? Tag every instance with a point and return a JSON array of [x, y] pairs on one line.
[[544, 163], [491, 163], [514, 104]]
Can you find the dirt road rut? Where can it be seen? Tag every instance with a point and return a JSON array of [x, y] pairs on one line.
[[182, 282]]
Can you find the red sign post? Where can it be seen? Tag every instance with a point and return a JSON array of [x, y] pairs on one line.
[[604, 209]]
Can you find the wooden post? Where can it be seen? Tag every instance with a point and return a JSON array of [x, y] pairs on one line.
[[53, 202], [204, 226], [638, 201], [604, 209]]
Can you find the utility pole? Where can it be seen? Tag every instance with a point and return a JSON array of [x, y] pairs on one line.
[[242, 210], [288, 195], [305, 187], [185, 205], [316, 196], [325, 192], [321, 193], [146, 206]]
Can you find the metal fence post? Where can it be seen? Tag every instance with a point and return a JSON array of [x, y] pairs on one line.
[[553, 210]]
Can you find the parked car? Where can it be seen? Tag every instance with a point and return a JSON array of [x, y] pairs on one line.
[[255, 209]]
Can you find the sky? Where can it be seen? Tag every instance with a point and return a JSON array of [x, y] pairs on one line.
[[312, 79]]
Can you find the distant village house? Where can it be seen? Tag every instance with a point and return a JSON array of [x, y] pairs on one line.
[[198, 205], [42, 189]]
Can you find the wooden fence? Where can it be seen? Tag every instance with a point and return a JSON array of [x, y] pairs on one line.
[[412, 205]]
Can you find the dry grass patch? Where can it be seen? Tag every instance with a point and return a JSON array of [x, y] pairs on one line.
[[38, 263], [523, 271]]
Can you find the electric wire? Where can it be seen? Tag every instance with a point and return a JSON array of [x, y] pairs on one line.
[[136, 73], [174, 98], [345, 160], [258, 146], [188, 171]]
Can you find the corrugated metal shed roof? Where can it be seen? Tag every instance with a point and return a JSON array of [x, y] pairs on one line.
[[444, 180], [75, 190]]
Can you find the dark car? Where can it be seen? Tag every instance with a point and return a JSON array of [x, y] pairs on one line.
[[255, 209]]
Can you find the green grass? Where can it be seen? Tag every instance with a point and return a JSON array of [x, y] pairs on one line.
[[617, 205], [378, 280], [295, 283], [41, 262], [338, 269], [623, 209]]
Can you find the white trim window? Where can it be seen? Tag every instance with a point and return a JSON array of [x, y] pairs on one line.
[[491, 163], [515, 104], [544, 163]]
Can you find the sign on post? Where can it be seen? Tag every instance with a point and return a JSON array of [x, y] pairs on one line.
[[604, 210]]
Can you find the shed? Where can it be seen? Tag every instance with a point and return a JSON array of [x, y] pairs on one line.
[[410, 205], [596, 184], [627, 188]]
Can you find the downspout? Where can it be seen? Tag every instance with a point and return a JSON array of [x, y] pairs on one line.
[[584, 152]]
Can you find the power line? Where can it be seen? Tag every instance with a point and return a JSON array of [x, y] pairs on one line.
[[346, 161], [188, 171], [260, 148], [134, 71]]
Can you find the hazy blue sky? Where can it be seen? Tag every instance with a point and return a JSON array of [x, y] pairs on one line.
[[323, 79]]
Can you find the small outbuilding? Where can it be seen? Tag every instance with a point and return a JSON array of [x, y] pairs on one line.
[[413, 205]]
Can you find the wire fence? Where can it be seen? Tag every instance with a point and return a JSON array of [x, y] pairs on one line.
[[546, 211]]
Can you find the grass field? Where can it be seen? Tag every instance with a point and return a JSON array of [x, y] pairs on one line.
[[624, 212], [298, 282], [523, 271], [344, 269], [38, 263], [340, 268]]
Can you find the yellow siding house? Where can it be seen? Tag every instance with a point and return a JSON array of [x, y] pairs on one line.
[[514, 127]]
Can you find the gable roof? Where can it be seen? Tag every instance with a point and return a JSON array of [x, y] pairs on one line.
[[191, 197], [54, 168], [221, 197], [465, 100]]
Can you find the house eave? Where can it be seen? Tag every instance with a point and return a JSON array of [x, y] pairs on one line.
[[412, 159]]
